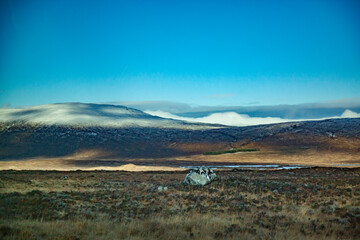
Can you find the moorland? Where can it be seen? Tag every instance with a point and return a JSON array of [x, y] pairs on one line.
[[310, 203], [90, 171]]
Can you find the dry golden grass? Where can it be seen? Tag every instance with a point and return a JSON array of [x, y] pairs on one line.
[[309, 157], [315, 203], [196, 226]]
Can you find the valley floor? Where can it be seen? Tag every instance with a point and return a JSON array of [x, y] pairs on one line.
[[90, 160], [312, 203]]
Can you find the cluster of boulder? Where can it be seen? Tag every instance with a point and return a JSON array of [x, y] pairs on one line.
[[200, 176]]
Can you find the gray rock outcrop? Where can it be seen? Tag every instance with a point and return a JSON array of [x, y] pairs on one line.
[[200, 176]]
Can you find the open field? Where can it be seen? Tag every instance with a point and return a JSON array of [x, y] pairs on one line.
[[91, 161], [314, 203]]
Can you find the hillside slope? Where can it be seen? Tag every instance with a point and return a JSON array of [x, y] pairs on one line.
[[153, 137]]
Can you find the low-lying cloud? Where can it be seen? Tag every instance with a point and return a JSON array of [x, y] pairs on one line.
[[350, 114], [236, 119], [320, 110]]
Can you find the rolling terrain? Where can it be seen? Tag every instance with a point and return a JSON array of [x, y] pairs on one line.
[[149, 200], [112, 136]]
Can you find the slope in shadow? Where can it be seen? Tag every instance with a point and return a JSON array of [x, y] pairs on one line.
[[28, 141]]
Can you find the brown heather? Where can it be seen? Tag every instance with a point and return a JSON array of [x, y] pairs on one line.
[[314, 203]]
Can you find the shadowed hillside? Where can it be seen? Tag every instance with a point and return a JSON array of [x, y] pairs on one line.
[[19, 140]]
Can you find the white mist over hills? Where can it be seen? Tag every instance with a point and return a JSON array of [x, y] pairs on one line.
[[235, 119], [315, 110], [82, 114]]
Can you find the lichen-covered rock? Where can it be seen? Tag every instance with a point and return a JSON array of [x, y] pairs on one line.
[[200, 176]]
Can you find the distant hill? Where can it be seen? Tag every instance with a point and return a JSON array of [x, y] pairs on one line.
[[119, 132], [82, 114]]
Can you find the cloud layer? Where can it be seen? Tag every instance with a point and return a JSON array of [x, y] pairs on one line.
[[84, 115], [235, 119], [350, 114], [298, 111]]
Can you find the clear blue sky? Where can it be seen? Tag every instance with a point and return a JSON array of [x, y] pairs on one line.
[[201, 52]]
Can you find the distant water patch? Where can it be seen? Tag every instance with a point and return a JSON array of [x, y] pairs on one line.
[[347, 165], [252, 167]]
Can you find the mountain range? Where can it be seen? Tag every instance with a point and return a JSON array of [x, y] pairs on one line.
[[118, 132]]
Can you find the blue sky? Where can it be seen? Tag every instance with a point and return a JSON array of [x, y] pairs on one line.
[[196, 52]]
